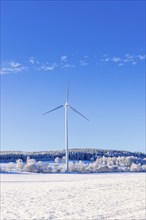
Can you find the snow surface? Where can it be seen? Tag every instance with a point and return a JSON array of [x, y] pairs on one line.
[[73, 196]]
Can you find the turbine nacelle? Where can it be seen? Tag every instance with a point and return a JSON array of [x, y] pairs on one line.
[[66, 105]]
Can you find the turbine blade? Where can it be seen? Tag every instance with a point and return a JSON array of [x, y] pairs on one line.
[[78, 112], [53, 109], [67, 95]]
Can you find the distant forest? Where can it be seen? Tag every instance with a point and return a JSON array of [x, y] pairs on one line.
[[74, 154]]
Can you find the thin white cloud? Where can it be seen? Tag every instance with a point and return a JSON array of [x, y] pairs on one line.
[[36, 65], [116, 59], [120, 61], [64, 58], [120, 64], [4, 70], [48, 67], [105, 55], [128, 58], [141, 57], [134, 63], [15, 65], [33, 61], [67, 65], [83, 63], [105, 59], [12, 67]]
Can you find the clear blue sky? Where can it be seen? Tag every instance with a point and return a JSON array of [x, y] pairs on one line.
[[99, 46]]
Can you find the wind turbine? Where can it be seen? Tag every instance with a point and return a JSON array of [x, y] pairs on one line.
[[66, 106]]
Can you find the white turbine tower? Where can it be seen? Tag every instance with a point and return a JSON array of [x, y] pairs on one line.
[[66, 106]]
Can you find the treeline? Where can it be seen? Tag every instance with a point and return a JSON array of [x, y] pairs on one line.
[[74, 154], [101, 164]]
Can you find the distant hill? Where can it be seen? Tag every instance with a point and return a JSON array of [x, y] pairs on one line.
[[74, 154]]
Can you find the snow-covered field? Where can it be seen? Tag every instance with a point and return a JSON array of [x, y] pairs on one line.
[[73, 196]]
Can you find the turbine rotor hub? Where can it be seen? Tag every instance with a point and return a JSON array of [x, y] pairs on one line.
[[66, 104]]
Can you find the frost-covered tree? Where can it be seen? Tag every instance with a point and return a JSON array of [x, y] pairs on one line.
[[135, 167], [49, 168], [31, 165], [64, 159], [128, 161], [80, 166], [58, 160], [103, 168], [101, 164], [19, 164], [143, 167], [56, 168], [71, 166], [2, 169], [41, 167], [10, 166]]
